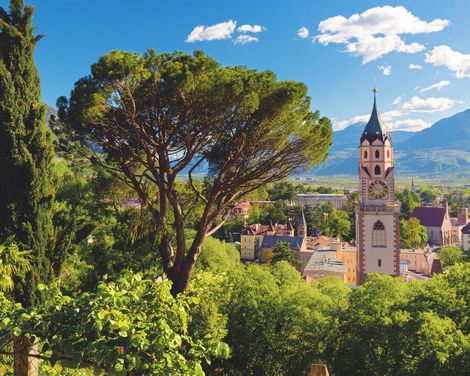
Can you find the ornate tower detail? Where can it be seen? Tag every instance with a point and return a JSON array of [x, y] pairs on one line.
[[377, 213], [302, 226]]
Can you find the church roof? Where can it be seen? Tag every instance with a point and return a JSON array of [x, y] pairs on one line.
[[429, 216], [375, 128]]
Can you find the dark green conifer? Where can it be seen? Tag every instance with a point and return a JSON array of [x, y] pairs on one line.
[[26, 151]]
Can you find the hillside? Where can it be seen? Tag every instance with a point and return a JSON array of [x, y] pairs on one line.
[[440, 149]]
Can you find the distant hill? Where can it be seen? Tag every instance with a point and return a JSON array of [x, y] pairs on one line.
[[442, 148]]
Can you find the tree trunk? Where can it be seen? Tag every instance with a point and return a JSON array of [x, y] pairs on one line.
[[25, 365], [181, 280]]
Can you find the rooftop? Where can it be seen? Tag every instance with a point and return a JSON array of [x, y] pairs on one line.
[[429, 216], [375, 128], [325, 260], [295, 242]]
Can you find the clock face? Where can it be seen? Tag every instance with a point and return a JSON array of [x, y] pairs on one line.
[[378, 190]]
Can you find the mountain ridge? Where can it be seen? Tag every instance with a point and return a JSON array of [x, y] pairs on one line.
[[441, 148]]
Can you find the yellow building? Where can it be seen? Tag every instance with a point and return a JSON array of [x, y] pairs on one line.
[[349, 258], [416, 260], [252, 238]]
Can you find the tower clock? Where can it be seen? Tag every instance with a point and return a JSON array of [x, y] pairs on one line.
[[377, 213]]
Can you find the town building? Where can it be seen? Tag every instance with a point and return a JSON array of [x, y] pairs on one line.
[[437, 223], [466, 237], [458, 224], [253, 236], [377, 212], [314, 199], [323, 263], [417, 260]]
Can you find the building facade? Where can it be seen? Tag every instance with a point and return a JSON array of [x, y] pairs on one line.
[[466, 237], [437, 223], [313, 199], [377, 212], [253, 236]]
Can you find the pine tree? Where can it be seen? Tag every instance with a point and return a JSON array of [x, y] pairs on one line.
[[26, 152]]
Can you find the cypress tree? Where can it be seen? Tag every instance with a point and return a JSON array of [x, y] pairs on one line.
[[26, 152]]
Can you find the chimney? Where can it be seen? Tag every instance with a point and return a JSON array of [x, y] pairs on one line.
[[462, 216], [337, 246]]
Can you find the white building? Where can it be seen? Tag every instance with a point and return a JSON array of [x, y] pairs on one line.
[[313, 199], [466, 237]]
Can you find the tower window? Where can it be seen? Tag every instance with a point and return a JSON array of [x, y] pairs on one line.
[[377, 170], [379, 263], [388, 153], [378, 235], [377, 154], [365, 154]]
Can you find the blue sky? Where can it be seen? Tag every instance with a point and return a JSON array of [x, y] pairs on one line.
[[349, 45]]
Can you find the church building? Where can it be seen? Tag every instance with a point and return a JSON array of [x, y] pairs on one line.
[[377, 212]]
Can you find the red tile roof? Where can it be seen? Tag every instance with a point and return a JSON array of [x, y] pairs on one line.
[[264, 229], [429, 217]]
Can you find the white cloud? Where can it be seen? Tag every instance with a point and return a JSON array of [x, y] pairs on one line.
[[376, 32], [303, 32], [243, 39], [346, 123], [415, 66], [385, 69], [455, 61], [431, 104], [251, 29], [412, 125], [223, 30], [397, 100], [438, 85]]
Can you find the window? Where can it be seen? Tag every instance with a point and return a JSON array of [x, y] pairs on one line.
[[379, 262], [365, 154], [388, 153], [377, 170], [377, 154], [378, 235]]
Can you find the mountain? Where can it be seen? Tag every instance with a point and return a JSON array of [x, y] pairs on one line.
[[440, 149]]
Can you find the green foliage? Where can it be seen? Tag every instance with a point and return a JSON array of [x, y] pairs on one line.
[[133, 324], [412, 233], [277, 324], [409, 200], [282, 252], [218, 256], [284, 190], [428, 194], [13, 263], [27, 192], [397, 328], [450, 255]]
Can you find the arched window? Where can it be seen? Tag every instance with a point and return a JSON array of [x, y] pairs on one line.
[[388, 153], [377, 170], [379, 262], [377, 154], [378, 235], [365, 154]]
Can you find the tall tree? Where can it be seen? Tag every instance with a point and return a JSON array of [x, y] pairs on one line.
[[26, 192], [158, 117], [26, 189]]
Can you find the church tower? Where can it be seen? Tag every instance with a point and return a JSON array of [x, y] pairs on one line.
[[377, 212]]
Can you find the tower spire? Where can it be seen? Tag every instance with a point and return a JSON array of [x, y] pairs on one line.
[[375, 128]]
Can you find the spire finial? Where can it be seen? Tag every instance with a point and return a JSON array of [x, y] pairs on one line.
[[374, 90]]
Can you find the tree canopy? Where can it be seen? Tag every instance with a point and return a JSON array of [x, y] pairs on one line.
[[158, 117]]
